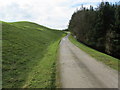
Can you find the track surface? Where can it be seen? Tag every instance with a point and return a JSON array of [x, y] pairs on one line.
[[79, 70]]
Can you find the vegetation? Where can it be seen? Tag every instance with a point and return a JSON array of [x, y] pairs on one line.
[[98, 28], [29, 55], [108, 60]]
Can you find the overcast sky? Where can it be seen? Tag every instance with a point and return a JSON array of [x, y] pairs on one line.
[[51, 13]]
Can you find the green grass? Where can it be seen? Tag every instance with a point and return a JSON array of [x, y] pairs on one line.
[[108, 60], [29, 55]]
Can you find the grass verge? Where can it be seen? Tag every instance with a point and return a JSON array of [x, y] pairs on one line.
[[43, 75], [106, 59]]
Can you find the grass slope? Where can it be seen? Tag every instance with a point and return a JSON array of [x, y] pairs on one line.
[[29, 55], [108, 60]]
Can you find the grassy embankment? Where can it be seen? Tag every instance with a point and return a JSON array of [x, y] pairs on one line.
[[108, 60], [29, 55]]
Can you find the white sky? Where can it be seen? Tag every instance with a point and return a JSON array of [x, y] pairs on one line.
[[51, 13]]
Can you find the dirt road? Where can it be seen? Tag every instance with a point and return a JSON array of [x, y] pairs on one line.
[[79, 70]]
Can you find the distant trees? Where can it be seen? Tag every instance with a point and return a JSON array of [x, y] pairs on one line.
[[98, 28]]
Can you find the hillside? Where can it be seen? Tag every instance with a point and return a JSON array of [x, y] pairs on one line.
[[29, 55]]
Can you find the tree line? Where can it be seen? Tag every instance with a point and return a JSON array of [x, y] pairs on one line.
[[98, 28]]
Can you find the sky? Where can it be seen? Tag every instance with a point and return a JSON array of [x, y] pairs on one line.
[[51, 13]]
